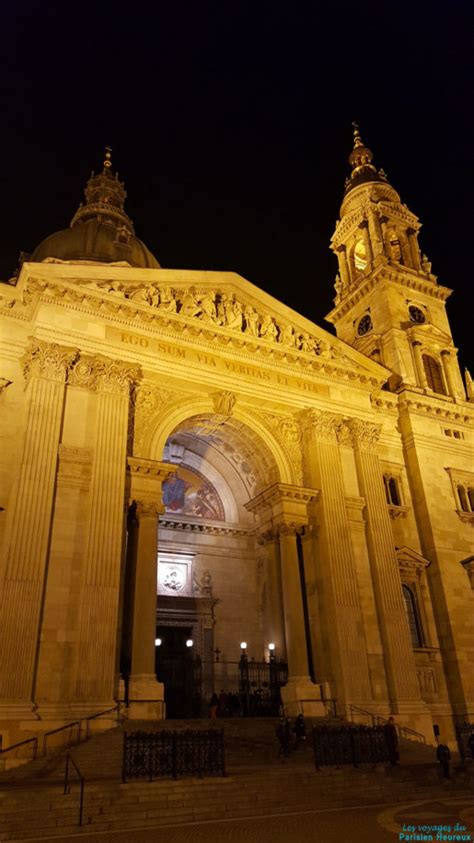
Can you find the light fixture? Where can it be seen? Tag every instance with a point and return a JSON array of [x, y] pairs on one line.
[[243, 645], [157, 642], [271, 647], [189, 642]]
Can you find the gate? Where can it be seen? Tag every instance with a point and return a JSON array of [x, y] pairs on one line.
[[336, 746], [259, 687]]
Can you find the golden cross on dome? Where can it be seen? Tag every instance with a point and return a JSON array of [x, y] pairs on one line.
[[108, 158]]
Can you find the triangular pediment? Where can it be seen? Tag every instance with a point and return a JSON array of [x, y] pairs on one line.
[[410, 559], [219, 303], [430, 333]]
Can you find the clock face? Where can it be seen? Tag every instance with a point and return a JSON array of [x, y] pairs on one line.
[[364, 325], [416, 315]]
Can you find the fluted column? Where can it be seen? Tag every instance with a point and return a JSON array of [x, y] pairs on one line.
[[30, 512], [145, 692], [398, 654], [343, 616], [98, 616], [420, 369]]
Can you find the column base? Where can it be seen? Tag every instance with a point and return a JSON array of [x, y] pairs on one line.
[[146, 698], [301, 696]]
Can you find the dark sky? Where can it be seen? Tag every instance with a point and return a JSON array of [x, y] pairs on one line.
[[230, 123]]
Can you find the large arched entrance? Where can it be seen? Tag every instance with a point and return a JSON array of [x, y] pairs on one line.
[[210, 588]]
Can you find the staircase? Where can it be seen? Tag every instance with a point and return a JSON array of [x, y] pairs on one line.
[[257, 783]]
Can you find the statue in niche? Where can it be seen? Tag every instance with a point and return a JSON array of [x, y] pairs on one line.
[[202, 586], [189, 305], [168, 300], [251, 320], [268, 329]]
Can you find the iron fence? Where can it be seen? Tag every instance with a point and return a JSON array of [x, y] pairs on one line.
[[194, 752], [338, 746], [465, 738]]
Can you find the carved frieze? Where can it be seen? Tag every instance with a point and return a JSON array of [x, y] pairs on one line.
[[148, 400], [223, 402], [365, 435], [320, 424]]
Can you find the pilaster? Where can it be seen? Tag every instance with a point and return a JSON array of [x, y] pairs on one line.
[[45, 368], [98, 618], [398, 654], [342, 615]]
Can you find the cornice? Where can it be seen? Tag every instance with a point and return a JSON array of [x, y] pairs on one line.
[[175, 522], [461, 412], [401, 275], [279, 492]]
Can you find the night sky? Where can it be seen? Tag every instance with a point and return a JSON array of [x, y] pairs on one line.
[[230, 123]]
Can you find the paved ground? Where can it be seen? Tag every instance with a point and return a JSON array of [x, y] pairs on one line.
[[376, 824]]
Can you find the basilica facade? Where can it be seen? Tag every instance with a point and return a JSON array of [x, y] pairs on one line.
[[189, 464]]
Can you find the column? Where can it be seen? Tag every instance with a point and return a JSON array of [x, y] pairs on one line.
[[102, 566], [364, 227], [376, 235], [386, 237], [273, 620], [285, 508], [146, 694], [344, 266], [414, 248], [30, 512], [405, 248], [419, 367], [336, 571], [398, 653], [448, 372]]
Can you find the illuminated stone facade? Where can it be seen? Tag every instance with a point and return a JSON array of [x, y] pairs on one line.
[[300, 501]]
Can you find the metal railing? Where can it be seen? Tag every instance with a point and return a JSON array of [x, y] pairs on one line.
[[77, 724], [193, 752], [67, 789], [34, 741], [341, 745], [377, 720]]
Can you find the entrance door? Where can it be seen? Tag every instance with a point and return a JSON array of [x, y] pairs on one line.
[[178, 670]]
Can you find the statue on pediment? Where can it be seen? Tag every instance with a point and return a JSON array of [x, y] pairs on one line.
[[208, 307], [268, 329], [189, 305], [251, 320], [168, 300], [287, 336]]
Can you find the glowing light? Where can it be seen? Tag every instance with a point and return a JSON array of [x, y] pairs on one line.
[[243, 645], [189, 642], [157, 642]]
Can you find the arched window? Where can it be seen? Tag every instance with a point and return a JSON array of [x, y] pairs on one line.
[[412, 616], [463, 499], [360, 255], [392, 492], [470, 495], [395, 248], [433, 374]]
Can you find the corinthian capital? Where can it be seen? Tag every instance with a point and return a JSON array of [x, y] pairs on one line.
[[149, 509], [116, 376], [320, 424], [48, 360], [365, 435]]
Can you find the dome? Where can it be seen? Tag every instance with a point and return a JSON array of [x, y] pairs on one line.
[[363, 171], [95, 241], [100, 230]]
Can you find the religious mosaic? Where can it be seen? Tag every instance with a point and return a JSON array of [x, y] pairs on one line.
[[188, 493]]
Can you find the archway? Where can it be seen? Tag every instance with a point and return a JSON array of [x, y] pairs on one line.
[[210, 588]]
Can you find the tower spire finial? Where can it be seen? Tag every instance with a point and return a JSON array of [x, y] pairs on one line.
[[357, 138], [108, 158]]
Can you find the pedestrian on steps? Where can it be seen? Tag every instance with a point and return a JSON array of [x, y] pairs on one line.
[[391, 740], [443, 755]]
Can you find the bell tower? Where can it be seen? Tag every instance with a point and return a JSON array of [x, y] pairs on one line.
[[388, 304]]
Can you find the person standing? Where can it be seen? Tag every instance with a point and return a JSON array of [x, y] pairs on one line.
[[443, 755], [391, 740]]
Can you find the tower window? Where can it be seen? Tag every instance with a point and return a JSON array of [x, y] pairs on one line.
[[412, 616], [392, 492], [416, 315], [433, 374], [395, 248], [463, 499], [360, 255]]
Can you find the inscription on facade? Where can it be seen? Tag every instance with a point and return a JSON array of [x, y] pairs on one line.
[[213, 362]]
